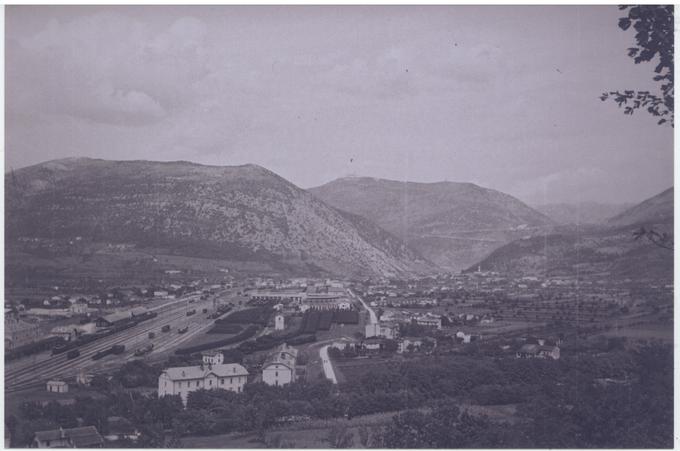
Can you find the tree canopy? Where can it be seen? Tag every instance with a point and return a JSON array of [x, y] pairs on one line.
[[653, 25]]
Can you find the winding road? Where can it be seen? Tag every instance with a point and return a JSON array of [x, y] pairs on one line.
[[327, 365], [323, 351]]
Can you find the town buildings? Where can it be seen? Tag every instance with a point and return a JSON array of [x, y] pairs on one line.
[[279, 368], [183, 380], [529, 351], [19, 332]]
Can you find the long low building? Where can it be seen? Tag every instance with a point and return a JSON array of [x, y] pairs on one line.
[[120, 317], [278, 295], [183, 380], [81, 437]]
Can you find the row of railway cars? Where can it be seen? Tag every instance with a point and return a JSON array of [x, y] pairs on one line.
[[84, 339]]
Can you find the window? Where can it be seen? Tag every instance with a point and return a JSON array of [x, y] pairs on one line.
[[210, 381], [222, 381], [277, 374]]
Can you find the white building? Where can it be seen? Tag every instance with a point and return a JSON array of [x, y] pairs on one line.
[[278, 295], [19, 332], [82, 437], [408, 344], [279, 323], [390, 331], [213, 358], [279, 368], [430, 320], [183, 380], [538, 351], [57, 387]]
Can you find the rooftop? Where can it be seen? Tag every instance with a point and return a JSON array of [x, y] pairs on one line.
[[201, 372], [82, 437]]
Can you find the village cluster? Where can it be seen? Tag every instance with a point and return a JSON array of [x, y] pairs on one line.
[[289, 328]]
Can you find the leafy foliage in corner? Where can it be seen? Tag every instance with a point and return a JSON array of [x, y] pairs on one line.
[[654, 37]]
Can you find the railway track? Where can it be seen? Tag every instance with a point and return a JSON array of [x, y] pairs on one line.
[[35, 373]]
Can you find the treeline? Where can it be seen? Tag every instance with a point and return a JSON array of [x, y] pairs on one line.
[[560, 404]]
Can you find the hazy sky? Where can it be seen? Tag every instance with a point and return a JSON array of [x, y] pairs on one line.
[[505, 97]]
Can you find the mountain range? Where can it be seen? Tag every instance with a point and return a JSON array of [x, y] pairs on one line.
[[610, 249], [241, 213], [355, 226], [452, 224]]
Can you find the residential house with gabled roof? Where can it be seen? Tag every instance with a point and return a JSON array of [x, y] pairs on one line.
[[82, 437], [279, 368], [185, 379]]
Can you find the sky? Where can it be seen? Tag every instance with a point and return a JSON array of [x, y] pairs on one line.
[[506, 97]]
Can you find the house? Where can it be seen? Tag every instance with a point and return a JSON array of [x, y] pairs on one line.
[[183, 380], [121, 429], [429, 320], [213, 358], [409, 344], [279, 368], [57, 386], [373, 344], [66, 332], [465, 338], [82, 437], [539, 351], [79, 307], [382, 330]]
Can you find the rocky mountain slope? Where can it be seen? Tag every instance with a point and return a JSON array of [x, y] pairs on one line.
[[240, 213], [610, 250], [451, 224], [655, 210]]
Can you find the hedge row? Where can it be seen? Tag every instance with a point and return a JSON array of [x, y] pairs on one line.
[[255, 315], [225, 328], [247, 333]]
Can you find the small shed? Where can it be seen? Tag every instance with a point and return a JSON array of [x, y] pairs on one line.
[[55, 386]]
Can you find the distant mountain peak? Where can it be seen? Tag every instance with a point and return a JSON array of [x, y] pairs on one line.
[[450, 223]]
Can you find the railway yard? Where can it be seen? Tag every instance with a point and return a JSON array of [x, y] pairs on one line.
[[31, 372]]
